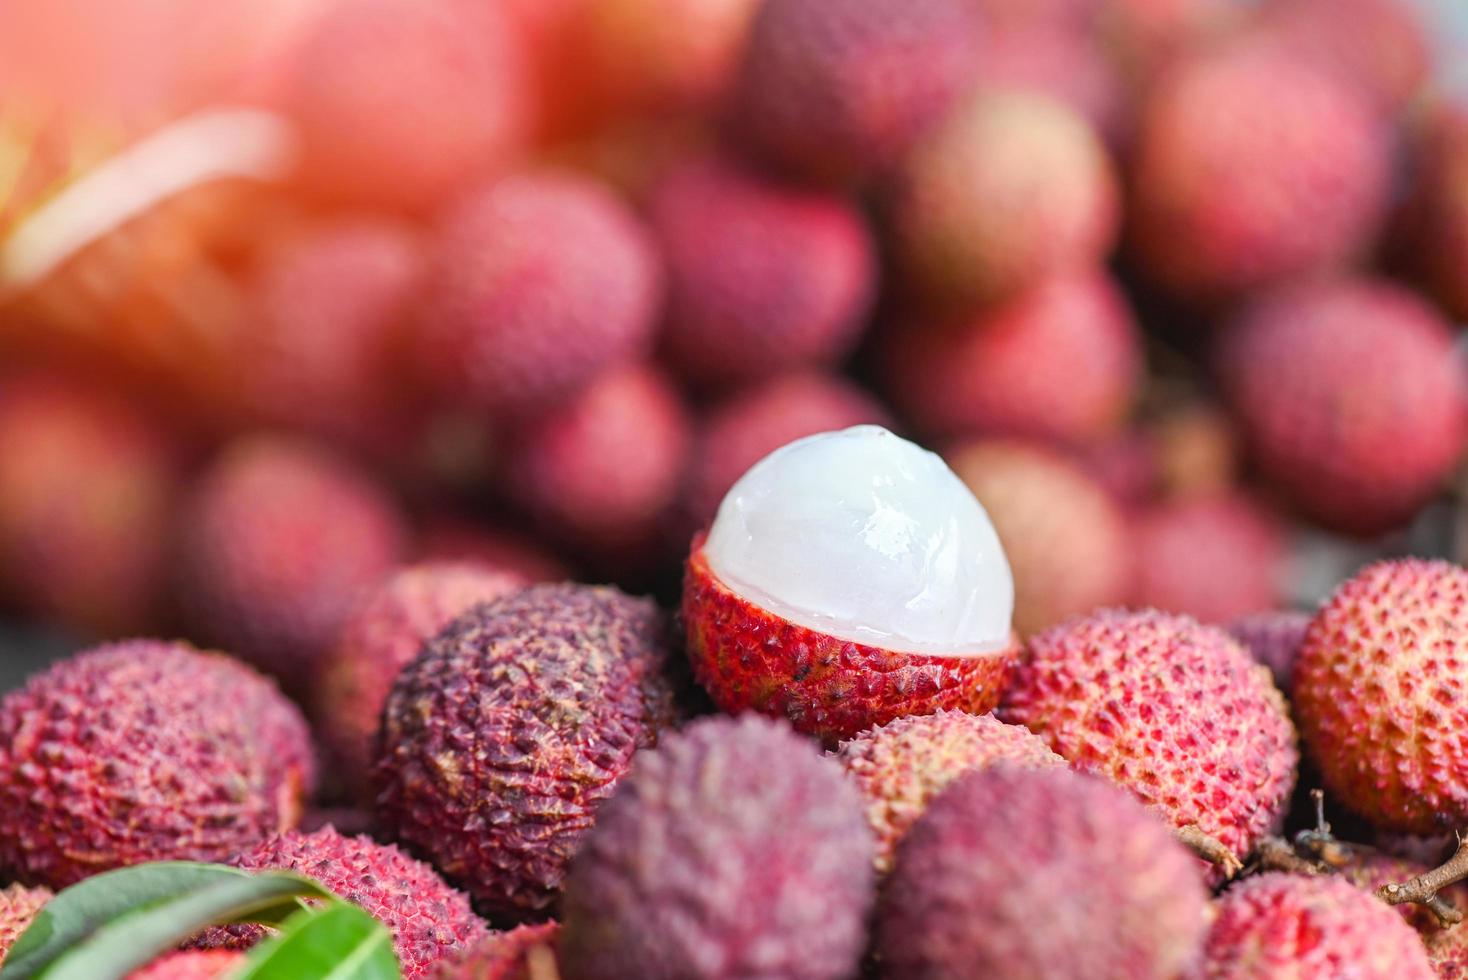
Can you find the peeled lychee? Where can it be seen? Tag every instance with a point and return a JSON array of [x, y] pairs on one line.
[[733, 850], [1378, 45], [1274, 638], [1059, 362], [18, 906], [1351, 397], [144, 751], [540, 281], [901, 766], [1117, 895], [849, 578], [1067, 541], [837, 92], [501, 740], [522, 953], [762, 277], [1172, 710]]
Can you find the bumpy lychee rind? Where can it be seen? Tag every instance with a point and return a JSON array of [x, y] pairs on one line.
[[18, 906], [501, 740], [1119, 896], [1434, 225], [1274, 639], [1379, 694], [144, 751], [1378, 45], [732, 850], [192, 964], [511, 955], [1172, 710], [750, 659], [900, 767], [1278, 925]]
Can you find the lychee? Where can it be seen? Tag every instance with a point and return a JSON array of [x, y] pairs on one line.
[[849, 578], [1063, 61], [762, 277], [1172, 710], [144, 751], [1195, 450], [1378, 45], [1434, 223], [501, 740], [193, 964], [1119, 896], [451, 538], [734, 849], [1351, 397], [18, 906], [1274, 638], [522, 953]]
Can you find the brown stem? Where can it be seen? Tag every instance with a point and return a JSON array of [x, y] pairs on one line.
[[1210, 849], [1319, 844], [1278, 854], [1423, 889]]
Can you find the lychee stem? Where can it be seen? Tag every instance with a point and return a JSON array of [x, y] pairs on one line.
[[1320, 844], [1423, 889], [1209, 849], [1278, 854]]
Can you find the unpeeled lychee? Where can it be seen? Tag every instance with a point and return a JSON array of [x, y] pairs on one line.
[[451, 538], [1274, 638], [1119, 897], [1379, 45], [192, 964], [1063, 61], [1434, 225], [762, 276], [18, 906], [734, 849], [900, 767], [522, 953]]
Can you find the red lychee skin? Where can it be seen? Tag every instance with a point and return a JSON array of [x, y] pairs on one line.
[[445, 537], [380, 638], [1064, 62], [603, 472], [1378, 45], [1144, 37], [502, 738], [1066, 539], [1370, 870], [1215, 557], [902, 766], [837, 92], [277, 543], [193, 964], [144, 751], [87, 488], [1011, 188], [1196, 449], [1277, 925], [1351, 398], [762, 277], [1172, 710], [1123, 898], [749, 426], [1435, 218], [1253, 167], [1274, 639], [749, 659], [18, 906], [1379, 693], [1060, 362], [515, 954], [402, 103], [540, 282]]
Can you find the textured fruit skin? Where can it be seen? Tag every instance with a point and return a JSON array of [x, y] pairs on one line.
[[902, 766], [1060, 362], [429, 920], [1379, 694], [1351, 397], [1067, 541], [194, 964], [501, 740], [733, 850], [1378, 45], [277, 542], [379, 639], [18, 906], [539, 282], [762, 277], [401, 103], [144, 751], [1251, 167], [1172, 710], [603, 472], [749, 659], [1435, 218], [1013, 187], [1215, 557], [1371, 870], [1123, 899], [87, 488], [1064, 62], [837, 92], [1274, 639], [1277, 925], [509, 955]]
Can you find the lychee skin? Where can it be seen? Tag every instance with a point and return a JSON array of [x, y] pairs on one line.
[[733, 850], [501, 740], [1122, 898], [1378, 45], [445, 537], [1065, 62], [144, 751], [1387, 651], [1274, 639], [837, 92], [900, 767], [1060, 362], [1435, 218], [1351, 397], [762, 277], [540, 282], [18, 906], [749, 659], [381, 638], [1172, 710], [192, 964], [1253, 167], [1277, 925], [510, 955]]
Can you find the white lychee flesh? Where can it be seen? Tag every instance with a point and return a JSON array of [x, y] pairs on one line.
[[862, 535]]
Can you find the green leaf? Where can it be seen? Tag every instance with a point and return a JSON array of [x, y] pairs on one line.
[[340, 943]]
